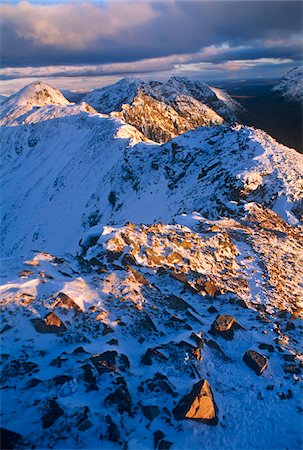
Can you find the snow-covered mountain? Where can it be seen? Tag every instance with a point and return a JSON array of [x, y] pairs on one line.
[[148, 291], [291, 85], [162, 111]]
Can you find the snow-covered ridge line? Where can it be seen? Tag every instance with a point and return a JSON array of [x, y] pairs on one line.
[[291, 85]]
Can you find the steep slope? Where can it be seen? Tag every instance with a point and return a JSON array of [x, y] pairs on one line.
[[290, 88], [36, 95], [162, 111]]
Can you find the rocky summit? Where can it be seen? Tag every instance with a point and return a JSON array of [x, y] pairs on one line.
[[151, 272]]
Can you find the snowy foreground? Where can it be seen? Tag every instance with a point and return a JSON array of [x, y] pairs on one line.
[[151, 294]]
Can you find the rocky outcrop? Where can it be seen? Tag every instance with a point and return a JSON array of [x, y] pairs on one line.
[[255, 361], [50, 324], [198, 405]]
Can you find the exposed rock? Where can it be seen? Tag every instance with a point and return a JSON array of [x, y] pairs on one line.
[[113, 433], [224, 326], [138, 276], [197, 339], [121, 398], [211, 288], [65, 301], [158, 435], [25, 273], [198, 405], [293, 369], [268, 347], [79, 350], [61, 379], [255, 361], [151, 354], [105, 362], [159, 383], [151, 412], [212, 309], [176, 303], [53, 413], [89, 378], [164, 445], [212, 344], [9, 439], [50, 324]]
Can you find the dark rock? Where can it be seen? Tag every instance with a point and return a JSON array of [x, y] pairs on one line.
[[123, 363], [61, 379], [212, 309], [164, 445], [158, 435], [121, 398], [33, 383], [242, 303], [213, 345], [17, 368], [9, 439], [112, 256], [159, 383], [112, 342], [150, 412], [151, 354], [128, 260], [290, 326], [79, 350], [146, 324], [198, 405], [176, 303], [50, 324], [105, 362], [65, 301], [270, 387], [85, 425], [293, 369], [289, 357], [89, 378], [57, 362], [138, 276], [5, 328], [268, 347], [255, 361], [113, 433], [84, 416], [198, 340], [53, 413]]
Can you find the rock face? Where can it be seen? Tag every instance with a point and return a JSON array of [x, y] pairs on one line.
[[255, 361], [9, 439], [53, 413], [67, 302], [50, 324], [198, 405]]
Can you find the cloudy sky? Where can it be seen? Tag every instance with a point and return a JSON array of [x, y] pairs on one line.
[[82, 45]]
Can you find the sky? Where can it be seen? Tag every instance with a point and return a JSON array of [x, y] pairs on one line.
[[80, 45]]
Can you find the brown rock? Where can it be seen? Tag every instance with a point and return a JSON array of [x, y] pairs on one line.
[[255, 361], [65, 301], [198, 405], [50, 324]]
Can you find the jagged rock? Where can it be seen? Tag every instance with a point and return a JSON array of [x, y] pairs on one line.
[[255, 361], [212, 344], [25, 273], [53, 413], [290, 326], [65, 301], [85, 425], [112, 256], [198, 405], [165, 445], [123, 363], [112, 342], [18, 368], [158, 435], [211, 288], [113, 433], [61, 379], [147, 324], [33, 383], [138, 276], [121, 398], [293, 369], [212, 309], [89, 378], [268, 347], [79, 350], [159, 383], [151, 354], [289, 357], [151, 412], [176, 303], [224, 326], [50, 324], [9, 439], [105, 362], [128, 260]]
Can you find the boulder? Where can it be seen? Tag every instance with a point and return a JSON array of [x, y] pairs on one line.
[[198, 405], [268, 347], [121, 398], [293, 369], [9, 439], [64, 301], [105, 362], [255, 361], [151, 412], [224, 326], [53, 413], [50, 324], [151, 354]]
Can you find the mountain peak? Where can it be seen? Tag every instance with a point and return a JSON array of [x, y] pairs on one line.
[[290, 86], [38, 93]]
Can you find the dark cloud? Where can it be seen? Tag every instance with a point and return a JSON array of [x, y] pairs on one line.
[[112, 32]]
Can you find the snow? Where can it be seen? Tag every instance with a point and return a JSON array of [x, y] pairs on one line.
[[291, 85], [96, 211]]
